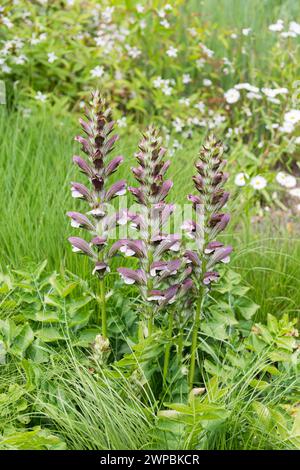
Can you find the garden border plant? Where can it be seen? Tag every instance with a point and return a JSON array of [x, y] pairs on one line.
[[162, 279]]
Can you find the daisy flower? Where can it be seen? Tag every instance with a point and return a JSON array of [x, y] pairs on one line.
[[258, 182]]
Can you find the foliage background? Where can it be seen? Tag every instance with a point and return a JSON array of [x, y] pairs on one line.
[[53, 393]]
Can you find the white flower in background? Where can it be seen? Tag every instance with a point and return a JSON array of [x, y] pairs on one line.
[[295, 192], [254, 96], [233, 36], [143, 24], [294, 27], [118, 75], [276, 27], [247, 86], [41, 96], [240, 178], [232, 95], [287, 127], [6, 21], [140, 8], [107, 14], [37, 39], [167, 90], [168, 7], [52, 57], [193, 32], [172, 51], [158, 82], [97, 72], [20, 60], [288, 34], [200, 63], [206, 50], [165, 23], [161, 13], [297, 140], [122, 122], [177, 144], [273, 92], [186, 78], [178, 124], [246, 31], [258, 182], [200, 106], [133, 52], [292, 116], [184, 101], [207, 82], [5, 68], [288, 181]]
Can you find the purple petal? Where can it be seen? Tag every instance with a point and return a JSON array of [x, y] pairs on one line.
[[129, 248], [117, 189], [164, 190], [83, 165], [80, 245], [196, 200], [210, 276], [156, 295], [221, 254], [199, 182], [170, 293], [186, 286], [80, 191], [98, 241], [130, 276], [138, 173], [101, 268], [80, 220], [220, 197], [86, 146], [86, 127], [192, 257], [219, 221], [212, 246], [137, 192], [170, 243], [109, 144], [113, 165]]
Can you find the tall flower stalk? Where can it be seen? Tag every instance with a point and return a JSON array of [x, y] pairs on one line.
[[98, 221], [210, 220], [161, 277]]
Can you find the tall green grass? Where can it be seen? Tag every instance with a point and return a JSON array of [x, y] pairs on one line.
[[35, 174], [233, 16]]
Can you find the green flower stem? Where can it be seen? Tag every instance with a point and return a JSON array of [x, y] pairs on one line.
[[150, 325], [141, 331], [195, 338], [103, 308], [168, 347], [180, 339]]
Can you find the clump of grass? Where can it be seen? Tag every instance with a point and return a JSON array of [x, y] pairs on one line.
[[91, 410]]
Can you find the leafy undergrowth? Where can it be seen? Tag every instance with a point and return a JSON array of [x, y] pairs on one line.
[[56, 391]]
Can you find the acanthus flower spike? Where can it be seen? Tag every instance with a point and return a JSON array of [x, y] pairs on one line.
[[97, 144], [208, 223], [160, 277]]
